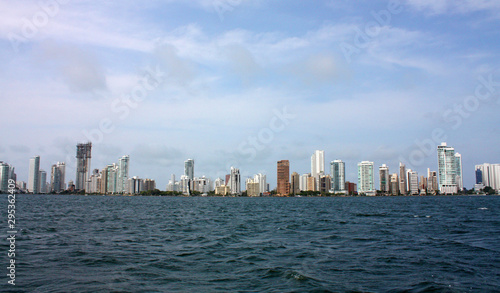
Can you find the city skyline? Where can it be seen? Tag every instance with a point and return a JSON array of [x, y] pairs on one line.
[[115, 177], [249, 83]]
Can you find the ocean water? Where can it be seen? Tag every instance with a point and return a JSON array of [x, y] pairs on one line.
[[178, 244]]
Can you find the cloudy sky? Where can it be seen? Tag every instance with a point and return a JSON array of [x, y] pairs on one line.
[[246, 83]]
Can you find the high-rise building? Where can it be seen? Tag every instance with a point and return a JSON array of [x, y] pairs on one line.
[[57, 177], [235, 181], [294, 185], [338, 176], [34, 175], [189, 168], [412, 182], [252, 187], [83, 156], [6, 173], [261, 179], [303, 182], [317, 165], [283, 178], [432, 182], [312, 184], [42, 181], [325, 183], [122, 178], [366, 178], [384, 178], [394, 184], [488, 175], [423, 184], [447, 169], [458, 166], [403, 187]]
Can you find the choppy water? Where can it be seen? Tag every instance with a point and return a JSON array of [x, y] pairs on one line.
[[164, 244]]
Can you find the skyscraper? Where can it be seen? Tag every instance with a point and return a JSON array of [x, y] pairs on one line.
[[447, 169], [122, 178], [458, 165], [384, 178], [283, 177], [189, 168], [394, 184], [83, 156], [488, 175], [42, 179], [294, 185], [318, 163], [6, 173], [412, 182], [366, 178], [57, 177], [432, 182], [402, 179], [261, 179], [338, 176], [34, 174], [235, 181]]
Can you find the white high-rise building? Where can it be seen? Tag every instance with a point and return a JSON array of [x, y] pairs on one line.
[[235, 181], [488, 175], [318, 164], [122, 176], [218, 182], [261, 179], [366, 178], [34, 173], [412, 182], [303, 181], [447, 169], [338, 176]]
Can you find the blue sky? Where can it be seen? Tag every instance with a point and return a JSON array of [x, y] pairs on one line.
[[248, 83]]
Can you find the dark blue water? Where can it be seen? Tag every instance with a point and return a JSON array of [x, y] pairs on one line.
[[164, 244]]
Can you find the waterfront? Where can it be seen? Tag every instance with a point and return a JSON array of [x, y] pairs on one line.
[[180, 244]]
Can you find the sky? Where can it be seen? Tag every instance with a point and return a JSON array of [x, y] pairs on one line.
[[247, 83]]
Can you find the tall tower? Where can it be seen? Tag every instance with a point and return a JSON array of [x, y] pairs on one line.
[[283, 177], [189, 168], [338, 176], [318, 163], [83, 156], [294, 185], [447, 169], [403, 188], [384, 178], [34, 174], [122, 178], [235, 181], [366, 178], [458, 164]]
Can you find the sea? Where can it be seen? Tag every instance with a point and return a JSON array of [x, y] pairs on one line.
[[69, 243]]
